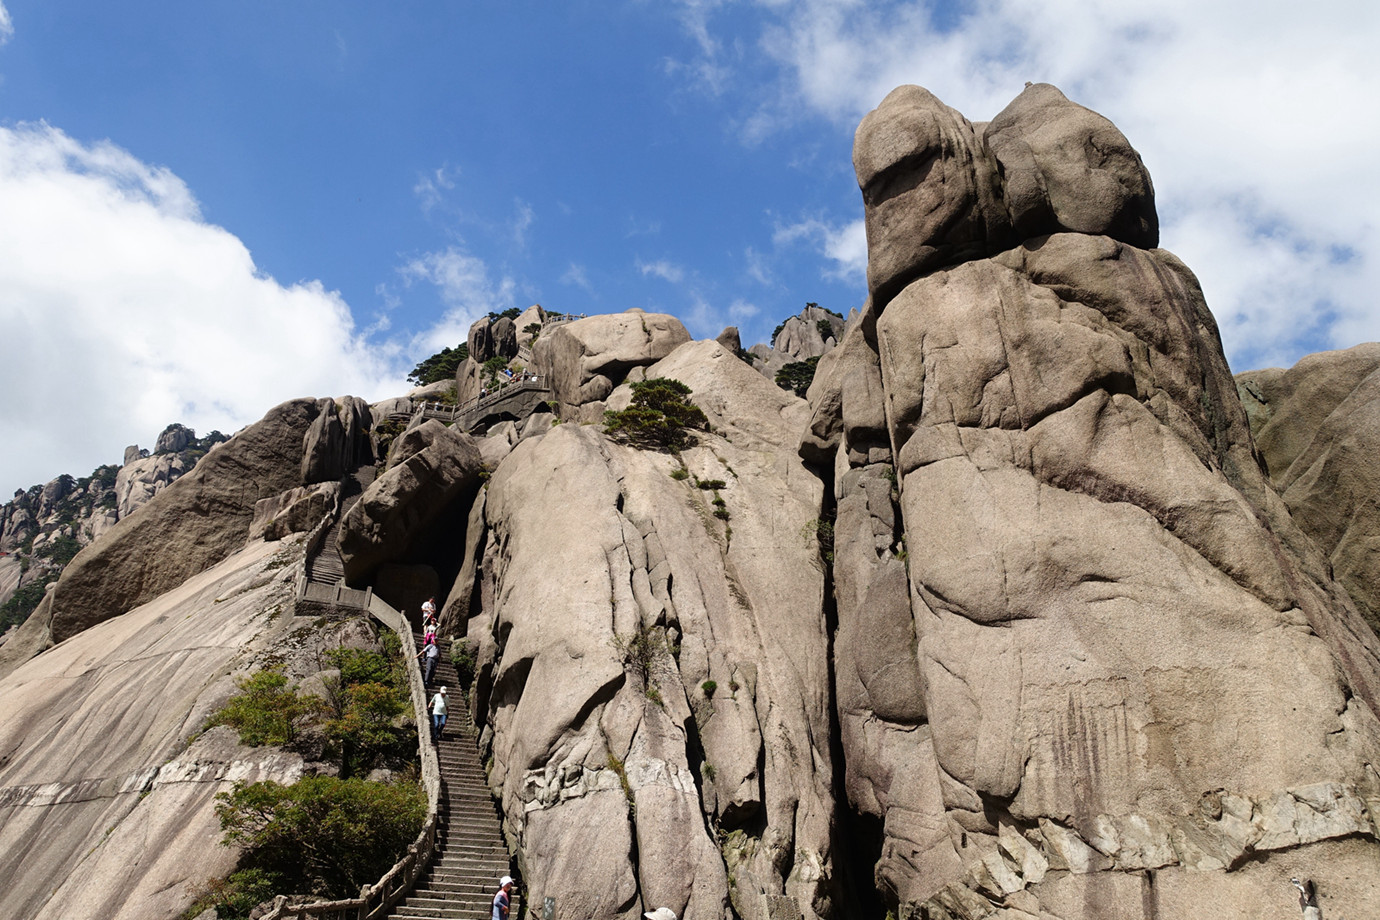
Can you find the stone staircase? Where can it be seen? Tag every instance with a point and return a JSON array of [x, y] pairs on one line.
[[471, 855], [326, 567]]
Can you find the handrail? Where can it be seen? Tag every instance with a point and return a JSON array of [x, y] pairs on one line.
[[375, 901]]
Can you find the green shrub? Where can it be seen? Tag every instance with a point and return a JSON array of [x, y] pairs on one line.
[[366, 704], [680, 473], [659, 418], [510, 313], [24, 601], [826, 328], [323, 835], [267, 710], [364, 733], [234, 897], [797, 376], [639, 651], [822, 530], [464, 656], [722, 514], [710, 483], [60, 550], [709, 687], [440, 366]]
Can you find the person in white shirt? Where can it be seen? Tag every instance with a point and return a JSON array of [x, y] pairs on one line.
[[438, 715]]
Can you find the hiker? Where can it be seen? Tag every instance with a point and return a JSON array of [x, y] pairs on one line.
[[438, 715], [502, 900], [432, 651], [661, 913], [429, 610]]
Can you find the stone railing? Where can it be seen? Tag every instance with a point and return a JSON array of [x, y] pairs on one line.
[[377, 900]]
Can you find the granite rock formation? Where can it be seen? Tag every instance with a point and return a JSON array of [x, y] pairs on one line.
[[1085, 656], [586, 359], [645, 672], [1317, 427]]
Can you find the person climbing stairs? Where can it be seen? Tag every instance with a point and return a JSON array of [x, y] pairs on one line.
[[471, 855]]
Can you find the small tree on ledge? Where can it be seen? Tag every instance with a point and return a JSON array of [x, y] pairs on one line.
[[660, 418]]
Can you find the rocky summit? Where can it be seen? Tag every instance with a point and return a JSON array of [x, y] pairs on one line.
[[1030, 610]]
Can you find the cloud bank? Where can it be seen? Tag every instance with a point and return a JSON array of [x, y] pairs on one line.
[[123, 310]]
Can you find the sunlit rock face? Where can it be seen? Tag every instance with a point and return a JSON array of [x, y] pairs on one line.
[[697, 775], [1085, 657]]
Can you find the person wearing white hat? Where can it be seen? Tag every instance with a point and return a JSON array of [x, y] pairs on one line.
[[661, 913], [502, 901], [438, 715]]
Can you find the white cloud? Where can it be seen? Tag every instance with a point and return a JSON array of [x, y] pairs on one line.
[[663, 269], [431, 188], [576, 276], [6, 25], [844, 245], [466, 289], [522, 222], [1256, 134], [123, 311]]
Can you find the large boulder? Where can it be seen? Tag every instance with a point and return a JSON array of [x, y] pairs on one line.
[[646, 673], [189, 526], [937, 191], [142, 479], [931, 190], [1066, 168], [1127, 655], [338, 441], [586, 359], [493, 337], [431, 468]]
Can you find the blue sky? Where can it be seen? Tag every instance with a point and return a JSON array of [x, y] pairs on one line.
[[207, 208]]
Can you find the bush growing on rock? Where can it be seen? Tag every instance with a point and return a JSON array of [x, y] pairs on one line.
[[267, 709], [660, 417], [323, 835], [440, 366], [797, 376], [367, 701]]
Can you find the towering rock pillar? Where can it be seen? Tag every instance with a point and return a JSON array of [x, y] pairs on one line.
[[1134, 690]]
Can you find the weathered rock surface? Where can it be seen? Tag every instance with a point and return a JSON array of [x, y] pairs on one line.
[[609, 769], [191, 525], [1064, 167], [939, 191], [104, 810], [337, 441], [431, 467], [586, 359], [1127, 656], [294, 511], [1317, 427], [141, 480], [532, 315], [493, 337]]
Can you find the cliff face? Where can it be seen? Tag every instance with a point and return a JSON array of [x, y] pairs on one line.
[[1132, 678], [1022, 614]]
